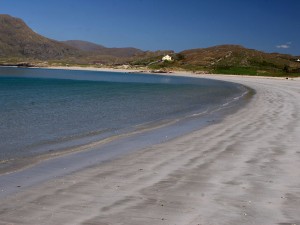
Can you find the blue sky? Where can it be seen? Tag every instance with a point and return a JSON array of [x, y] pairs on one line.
[[268, 25]]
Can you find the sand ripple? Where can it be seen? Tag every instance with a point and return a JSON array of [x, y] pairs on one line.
[[244, 170]]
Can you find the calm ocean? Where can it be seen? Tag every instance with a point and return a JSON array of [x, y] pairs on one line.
[[49, 110]]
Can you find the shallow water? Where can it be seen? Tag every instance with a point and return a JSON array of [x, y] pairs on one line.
[[50, 110]]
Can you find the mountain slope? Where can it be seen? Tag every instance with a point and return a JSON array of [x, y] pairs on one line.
[[18, 40], [237, 59], [101, 50], [232, 55], [228, 59], [19, 44], [84, 45]]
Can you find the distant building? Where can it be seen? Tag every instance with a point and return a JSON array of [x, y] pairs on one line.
[[167, 58], [297, 60]]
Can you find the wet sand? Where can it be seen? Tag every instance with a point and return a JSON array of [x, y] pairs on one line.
[[244, 170]]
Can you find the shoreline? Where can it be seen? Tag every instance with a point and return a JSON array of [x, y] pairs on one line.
[[10, 166], [243, 170], [169, 73], [180, 73]]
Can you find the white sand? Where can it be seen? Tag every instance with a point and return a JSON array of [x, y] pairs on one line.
[[244, 170]]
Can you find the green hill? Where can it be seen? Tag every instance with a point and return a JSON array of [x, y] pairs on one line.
[[236, 59], [233, 59]]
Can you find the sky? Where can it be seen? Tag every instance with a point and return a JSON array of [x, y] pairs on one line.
[[266, 25]]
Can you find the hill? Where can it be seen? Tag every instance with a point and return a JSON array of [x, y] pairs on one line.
[[101, 50], [230, 55], [19, 41], [20, 45], [230, 59], [238, 59], [84, 45]]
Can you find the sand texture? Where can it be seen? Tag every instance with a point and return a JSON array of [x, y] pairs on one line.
[[244, 170]]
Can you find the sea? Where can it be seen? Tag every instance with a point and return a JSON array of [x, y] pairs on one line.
[[50, 110]]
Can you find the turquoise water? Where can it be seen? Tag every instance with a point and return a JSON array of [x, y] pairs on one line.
[[50, 110]]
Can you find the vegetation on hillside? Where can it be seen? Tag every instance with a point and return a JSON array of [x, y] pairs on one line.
[[19, 45], [227, 59]]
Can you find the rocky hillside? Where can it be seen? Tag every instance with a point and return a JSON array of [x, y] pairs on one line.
[[18, 40]]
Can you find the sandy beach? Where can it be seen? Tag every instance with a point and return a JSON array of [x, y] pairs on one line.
[[243, 170]]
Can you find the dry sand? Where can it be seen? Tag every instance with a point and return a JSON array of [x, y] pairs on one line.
[[244, 170]]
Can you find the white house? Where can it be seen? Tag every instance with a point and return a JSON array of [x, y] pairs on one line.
[[297, 60], [167, 58]]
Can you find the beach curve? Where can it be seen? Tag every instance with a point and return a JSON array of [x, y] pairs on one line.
[[244, 170]]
